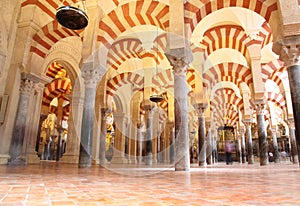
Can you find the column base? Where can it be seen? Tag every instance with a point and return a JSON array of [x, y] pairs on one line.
[[33, 159], [4, 159], [118, 160], [182, 169], [69, 158], [19, 161]]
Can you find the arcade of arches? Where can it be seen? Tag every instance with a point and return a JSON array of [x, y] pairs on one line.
[[226, 70]]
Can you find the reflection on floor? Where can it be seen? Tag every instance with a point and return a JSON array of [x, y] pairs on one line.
[[237, 184]]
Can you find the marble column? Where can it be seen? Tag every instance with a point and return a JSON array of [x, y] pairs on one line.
[[119, 140], [262, 134], [172, 144], [250, 155], [139, 142], [201, 134], [294, 152], [275, 145], [209, 144], [149, 130], [104, 113], [16, 146], [91, 77], [243, 145], [180, 64], [288, 50]]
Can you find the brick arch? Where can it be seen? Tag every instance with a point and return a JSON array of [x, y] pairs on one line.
[[269, 69], [278, 99], [130, 15], [123, 79], [54, 89], [228, 71], [226, 96], [47, 36], [196, 10], [128, 48]]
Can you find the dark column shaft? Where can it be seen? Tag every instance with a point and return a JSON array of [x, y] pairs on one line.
[[201, 140], [294, 79], [85, 158], [249, 143], [262, 139]]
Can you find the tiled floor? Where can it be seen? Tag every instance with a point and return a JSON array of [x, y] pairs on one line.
[[237, 184]]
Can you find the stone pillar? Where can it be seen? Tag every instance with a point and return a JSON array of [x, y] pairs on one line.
[[249, 141], [149, 130], [119, 140], [172, 144], [180, 65], [275, 145], [91, 77], [139, 143], [132, 157], [289, 52], [201, 134], [16, 146], [104, 113], [294, 152], [209, 144], [243, 145], [262, 134]]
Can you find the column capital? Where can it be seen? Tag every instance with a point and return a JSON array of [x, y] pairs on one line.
[[260, 108], [200, 108], [91, 75], [288, 50], [247, 122], [179, 59], [291, 123], [27, 86]]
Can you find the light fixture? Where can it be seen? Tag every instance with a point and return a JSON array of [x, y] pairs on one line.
[[156, 97], [72, 17]]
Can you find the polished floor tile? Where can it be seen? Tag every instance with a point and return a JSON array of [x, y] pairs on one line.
[[58, 184]]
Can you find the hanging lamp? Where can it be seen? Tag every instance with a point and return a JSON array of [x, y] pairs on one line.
[[72, 17], [156, 97]]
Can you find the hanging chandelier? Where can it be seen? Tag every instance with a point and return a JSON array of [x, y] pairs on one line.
[[72, 17]]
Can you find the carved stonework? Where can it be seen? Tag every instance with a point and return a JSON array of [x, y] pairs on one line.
[[91, 77], [288, 50], [291, 123], [27, 86], [260, 109], [200, 109], [179, 59]]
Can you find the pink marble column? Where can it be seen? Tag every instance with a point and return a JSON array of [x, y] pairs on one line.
[[243, 145], [262, 134], [104, 113], [294, 152], [250, 155], [201, 134]]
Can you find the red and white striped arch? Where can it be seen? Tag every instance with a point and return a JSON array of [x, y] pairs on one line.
[[130, 15], [49, 7], [225, 36], [47, 36], [122, 50], [196, 10], [278, 99], [54, 89], [268, 69], [53, 69], [228, 71], [124, 78], [226, 96]]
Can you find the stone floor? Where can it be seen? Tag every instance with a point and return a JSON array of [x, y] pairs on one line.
[[237, 184]]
